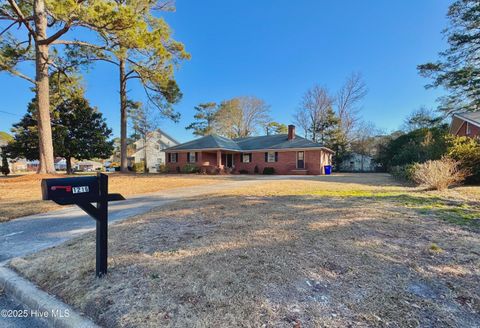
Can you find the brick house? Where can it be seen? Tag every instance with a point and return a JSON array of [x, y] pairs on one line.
[[286, 153], [466, 124]]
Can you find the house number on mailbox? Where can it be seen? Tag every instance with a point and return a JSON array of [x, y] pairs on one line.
[[80, 190]]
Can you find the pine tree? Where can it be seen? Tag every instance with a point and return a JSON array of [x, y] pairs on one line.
[[34, 40], [204, 119], [79, 131], [458, 69], [146, 53], [328, 131], [5, 170]]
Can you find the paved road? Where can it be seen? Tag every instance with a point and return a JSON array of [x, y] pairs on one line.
[[31, 234], [11, 322]]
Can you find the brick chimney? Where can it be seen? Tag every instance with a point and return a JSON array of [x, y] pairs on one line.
[[291, 132]]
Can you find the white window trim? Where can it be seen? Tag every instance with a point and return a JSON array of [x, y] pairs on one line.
[[468, 130], [190, 153], [271, 157], [247, 157], [298, 152], [173, 157]]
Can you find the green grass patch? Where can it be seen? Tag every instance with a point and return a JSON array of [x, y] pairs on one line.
[[353, 193], [425, 204], [434, 248]]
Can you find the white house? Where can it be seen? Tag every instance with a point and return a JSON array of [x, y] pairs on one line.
[[88, 166], [60, 164], [156, 142], [358, 163]]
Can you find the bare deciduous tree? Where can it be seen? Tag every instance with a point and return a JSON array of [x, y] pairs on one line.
[[300, 118], [241, 117], [363, 142], [145, 122], [313, 110], [348, 101]]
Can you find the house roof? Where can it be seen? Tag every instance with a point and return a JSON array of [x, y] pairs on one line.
[[274, 142], [93, 163], [208, 142], [471, 117], [160, 133]]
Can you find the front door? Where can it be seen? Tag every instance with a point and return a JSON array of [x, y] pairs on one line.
[[227, 160], [300, 160]]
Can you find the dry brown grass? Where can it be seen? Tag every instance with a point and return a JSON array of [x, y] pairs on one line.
[[21, 195], [282, 254]]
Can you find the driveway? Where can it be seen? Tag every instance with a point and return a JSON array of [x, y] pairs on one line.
[[34, 233]]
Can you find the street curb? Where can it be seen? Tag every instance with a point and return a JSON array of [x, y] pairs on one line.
[[26, 293]]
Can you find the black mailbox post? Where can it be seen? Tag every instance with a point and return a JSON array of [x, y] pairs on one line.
[[83, 191]]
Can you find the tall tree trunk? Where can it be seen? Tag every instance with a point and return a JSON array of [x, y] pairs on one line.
[[123, 118], [145, 166], [69, 165], [43, 92]]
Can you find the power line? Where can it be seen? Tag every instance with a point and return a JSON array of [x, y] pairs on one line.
[[2, 111], [52, 123]]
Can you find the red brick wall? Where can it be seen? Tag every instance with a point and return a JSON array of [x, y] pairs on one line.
[[203, 159], [474, 130], [287, 161]]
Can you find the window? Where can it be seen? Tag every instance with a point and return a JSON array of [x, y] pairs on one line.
[[173, 157], [192, 157], [246, 158], [469, 129], [271, 156]]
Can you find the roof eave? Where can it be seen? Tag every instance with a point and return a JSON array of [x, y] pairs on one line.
[[251, 150], [172, 149], [459, 116]]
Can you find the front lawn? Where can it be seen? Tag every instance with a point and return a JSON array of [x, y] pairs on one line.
[[21, 195], [292, 253]]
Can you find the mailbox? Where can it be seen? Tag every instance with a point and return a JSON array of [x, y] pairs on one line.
[[82, 191], [66, 191]]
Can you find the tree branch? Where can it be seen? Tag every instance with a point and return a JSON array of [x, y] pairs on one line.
[[8, 27], [55, 36], [21, 17], [77, 43], [20, 75], [128, 74]]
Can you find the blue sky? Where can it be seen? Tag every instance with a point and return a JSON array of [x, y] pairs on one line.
[[276, 50]]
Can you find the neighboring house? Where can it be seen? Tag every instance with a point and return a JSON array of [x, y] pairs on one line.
[[3, 143], [358, 163], [18, 165], [88, 166], [60, 164], [286, 153], [33, 165], [466, 124], [157, 142]]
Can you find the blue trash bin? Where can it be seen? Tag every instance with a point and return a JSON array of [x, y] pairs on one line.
[[328, 169]]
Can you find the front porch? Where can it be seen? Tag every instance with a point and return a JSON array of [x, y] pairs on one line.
[[209, 161]]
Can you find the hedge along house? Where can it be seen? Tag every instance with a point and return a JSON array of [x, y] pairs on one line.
[[285, 153]]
